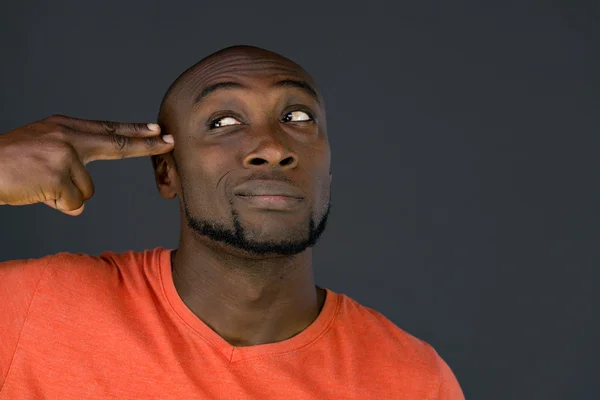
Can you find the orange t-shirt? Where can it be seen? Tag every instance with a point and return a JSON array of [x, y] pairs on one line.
[[74, 327]]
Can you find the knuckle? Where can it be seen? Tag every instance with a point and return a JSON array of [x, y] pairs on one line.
[[89, 192], [108, 127], [88, 195], [151, 142], [63, 153], [76, 202], [56, 118], [137, 128], [121, 143], [60, 131]]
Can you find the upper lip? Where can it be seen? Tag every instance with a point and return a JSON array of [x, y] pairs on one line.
[[261, 187]]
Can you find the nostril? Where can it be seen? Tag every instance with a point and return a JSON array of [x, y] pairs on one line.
[[257, 161], [286, 161]]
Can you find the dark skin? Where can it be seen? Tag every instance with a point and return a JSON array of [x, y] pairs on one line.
[[250, 167], [234, 147]]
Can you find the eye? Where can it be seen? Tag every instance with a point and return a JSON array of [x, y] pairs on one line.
[[297, 116], [224, 121]]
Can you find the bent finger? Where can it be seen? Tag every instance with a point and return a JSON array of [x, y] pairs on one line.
[[68, 199], [82, 179], [52, 203]]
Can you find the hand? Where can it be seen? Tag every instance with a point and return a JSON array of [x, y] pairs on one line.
[[44, 162]]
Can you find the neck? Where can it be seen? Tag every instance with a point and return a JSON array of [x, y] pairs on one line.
[[247, 301]]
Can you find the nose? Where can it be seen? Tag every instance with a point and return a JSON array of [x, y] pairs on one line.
[[271, 152]]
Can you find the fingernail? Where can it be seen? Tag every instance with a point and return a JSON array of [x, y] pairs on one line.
[[168, 138], [153, 127]]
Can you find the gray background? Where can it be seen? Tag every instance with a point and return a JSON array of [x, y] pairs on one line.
[[465, 159]]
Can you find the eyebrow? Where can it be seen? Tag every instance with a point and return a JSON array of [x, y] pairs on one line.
[[300, 85], [303, 85]]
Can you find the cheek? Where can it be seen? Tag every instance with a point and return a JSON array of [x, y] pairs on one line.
[[318, 159], [322, 188], [324, 193], [205, 162], [203, 174]]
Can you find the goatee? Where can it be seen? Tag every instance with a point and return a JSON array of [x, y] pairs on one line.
[[238, 238]]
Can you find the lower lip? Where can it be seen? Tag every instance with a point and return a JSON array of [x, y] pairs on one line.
[[272, 202]]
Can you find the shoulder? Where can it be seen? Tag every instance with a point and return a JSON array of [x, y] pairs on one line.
[[22, 276], [377, 341], [78, 266], [367, 321], [391, 357], [372, 330]]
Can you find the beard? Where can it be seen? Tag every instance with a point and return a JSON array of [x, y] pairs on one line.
[[238, 237]]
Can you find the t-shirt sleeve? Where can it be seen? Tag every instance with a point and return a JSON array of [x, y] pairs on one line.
[[18, 284], [449, 387]]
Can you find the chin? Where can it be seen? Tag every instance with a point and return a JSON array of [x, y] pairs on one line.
[[261, 234], [266, 234]]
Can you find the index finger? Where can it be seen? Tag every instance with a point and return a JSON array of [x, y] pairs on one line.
[[114, 147], [109, 127]]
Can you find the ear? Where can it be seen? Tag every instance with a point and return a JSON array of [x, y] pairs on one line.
[[166, 175]]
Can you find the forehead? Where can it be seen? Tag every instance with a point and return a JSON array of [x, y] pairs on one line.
[[248, 65], [250, 68]]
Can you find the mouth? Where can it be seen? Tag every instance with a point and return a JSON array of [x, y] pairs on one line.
[[268, 194], [270, 202], [261, 187]]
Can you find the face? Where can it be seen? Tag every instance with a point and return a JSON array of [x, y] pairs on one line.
[[252, 159]]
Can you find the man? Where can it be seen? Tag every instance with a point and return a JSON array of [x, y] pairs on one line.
[[234, 312]]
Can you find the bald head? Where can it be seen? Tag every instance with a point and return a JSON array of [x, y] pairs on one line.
[[222, 70], [251, 159]]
